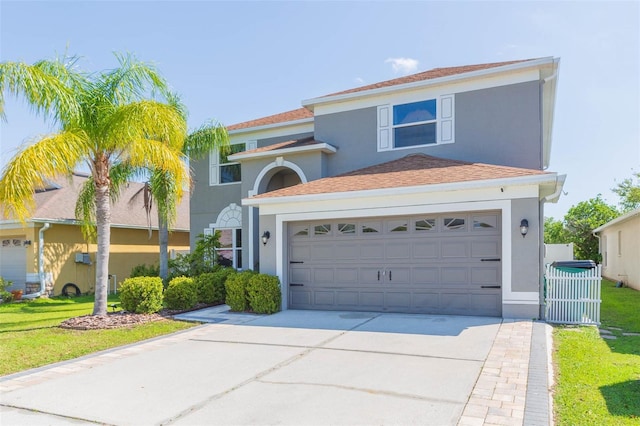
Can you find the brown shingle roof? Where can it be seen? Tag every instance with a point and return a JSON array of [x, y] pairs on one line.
[[302, 113], [283, 117], [412, 170], [58, 202], [428, 75], [285, 145]]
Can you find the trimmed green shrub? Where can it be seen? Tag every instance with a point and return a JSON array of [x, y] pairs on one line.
[[182, 293], [211, 287], [264, 294], [141, 295], [145, 270], [236, 286]]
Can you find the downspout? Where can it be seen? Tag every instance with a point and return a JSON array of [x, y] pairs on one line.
[[43, 281]]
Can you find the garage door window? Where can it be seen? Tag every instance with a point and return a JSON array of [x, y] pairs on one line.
[[422, 225], [346, 228], [371, 227], [322, 230], [481, 223], [454, 224], [397, 225]]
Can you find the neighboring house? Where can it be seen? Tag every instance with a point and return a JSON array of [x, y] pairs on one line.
[[620, 248], [402, 196], [49, 251]]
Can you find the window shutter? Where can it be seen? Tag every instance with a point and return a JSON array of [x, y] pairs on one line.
[[384, 128], [214, 174], [446, 119]]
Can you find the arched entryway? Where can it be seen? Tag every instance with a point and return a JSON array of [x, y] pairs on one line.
[[276, 175]]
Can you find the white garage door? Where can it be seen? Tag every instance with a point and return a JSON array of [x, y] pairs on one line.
[[13, 260], [443, 264]]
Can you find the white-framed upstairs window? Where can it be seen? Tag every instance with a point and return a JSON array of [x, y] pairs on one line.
[[223, 171], [415, 124]]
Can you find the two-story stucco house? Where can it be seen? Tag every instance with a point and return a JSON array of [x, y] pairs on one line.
[[423, 194]]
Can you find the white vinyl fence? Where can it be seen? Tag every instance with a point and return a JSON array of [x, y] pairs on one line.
[[573, 297]]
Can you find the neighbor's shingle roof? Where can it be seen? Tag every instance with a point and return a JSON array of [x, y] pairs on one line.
[[58, 201], [302, 113], [412, 170]]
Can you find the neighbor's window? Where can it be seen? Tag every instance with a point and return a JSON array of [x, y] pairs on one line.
[[413, 124], [619, 243]]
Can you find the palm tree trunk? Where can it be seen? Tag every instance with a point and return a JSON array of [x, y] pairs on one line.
[[103, 224], [163, 237]]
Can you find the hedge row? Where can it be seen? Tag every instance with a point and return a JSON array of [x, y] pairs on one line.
[[242, 291]]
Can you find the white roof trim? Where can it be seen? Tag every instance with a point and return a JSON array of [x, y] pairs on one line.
[[550, 178], [430, 82], [617, 220], [323, 147], [270, 126]]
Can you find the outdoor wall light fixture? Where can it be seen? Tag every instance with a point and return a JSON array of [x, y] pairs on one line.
[[524, 227], [265, 237]]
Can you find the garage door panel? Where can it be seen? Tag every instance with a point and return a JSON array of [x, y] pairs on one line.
[[454, 276], [399, 264], [372, 300], [346, 252], [398, 301], [395, 276], [300, 252], [371, 251], [487, 276], [454, 249], [426, 249], [426, 301], [324, 298], [323, 276], [483, 249], [346, 298], [322, 252], [454, 301], [299, 297], [347, 276], [426, 275], [398, 250]]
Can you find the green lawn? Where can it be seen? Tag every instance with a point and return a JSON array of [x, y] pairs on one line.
[[30, 336], [598, 380]]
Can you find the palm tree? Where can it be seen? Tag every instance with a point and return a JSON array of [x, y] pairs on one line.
[[105, 119]]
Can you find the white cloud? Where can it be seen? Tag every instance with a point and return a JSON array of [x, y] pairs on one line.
[[403, 65], [359, 81]]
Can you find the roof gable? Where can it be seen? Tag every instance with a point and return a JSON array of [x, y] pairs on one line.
[[305, 113]]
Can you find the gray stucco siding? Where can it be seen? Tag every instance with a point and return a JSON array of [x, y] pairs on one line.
[[525, 251], [500, 126]]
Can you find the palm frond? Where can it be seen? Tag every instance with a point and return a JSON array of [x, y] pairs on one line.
[[30, 168], [48, 87], [207, 137], [144, 119], [86, 209], [131, 80]]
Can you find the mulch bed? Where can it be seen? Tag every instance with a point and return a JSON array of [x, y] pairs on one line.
[[121, 319]]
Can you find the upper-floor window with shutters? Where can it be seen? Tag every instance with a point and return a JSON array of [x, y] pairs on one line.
[[414, 124], [223, 171]]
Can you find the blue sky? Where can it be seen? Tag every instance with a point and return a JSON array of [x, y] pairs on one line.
[[236, 61]]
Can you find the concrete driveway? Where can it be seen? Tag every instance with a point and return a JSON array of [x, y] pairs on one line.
[[294, 367]]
